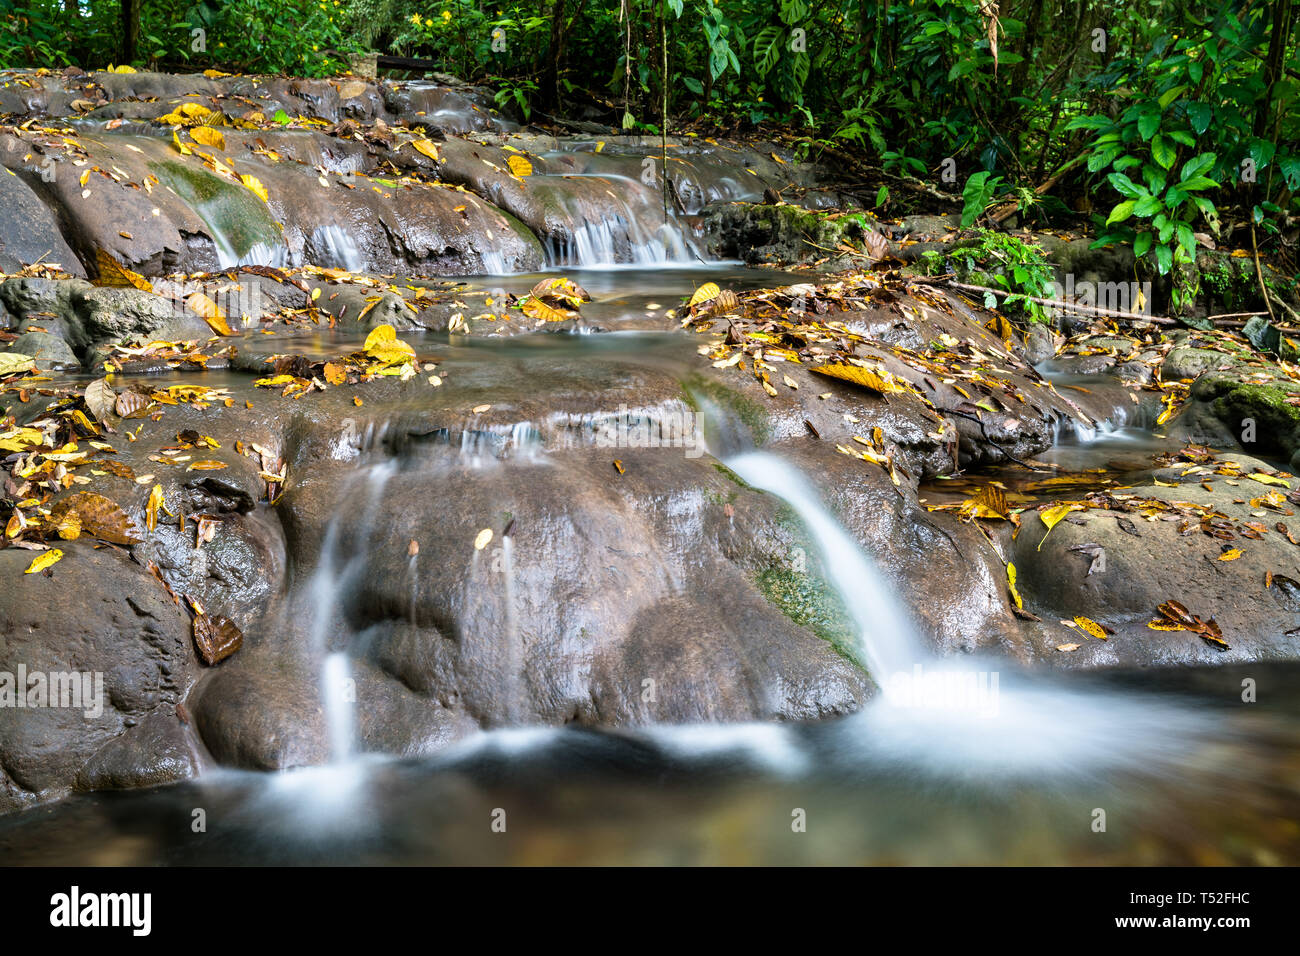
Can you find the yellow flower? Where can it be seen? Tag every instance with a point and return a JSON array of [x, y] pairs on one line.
[[446, 15], [415, 18]]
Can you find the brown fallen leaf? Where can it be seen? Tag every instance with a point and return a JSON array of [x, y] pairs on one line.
[[216, 638], [97, 517]]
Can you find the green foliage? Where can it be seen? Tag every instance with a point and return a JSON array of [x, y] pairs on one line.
[[1194, 105], [1000, 261], [301, 37]]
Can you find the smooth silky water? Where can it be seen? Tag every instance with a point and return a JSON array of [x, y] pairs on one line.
[[969, 761]]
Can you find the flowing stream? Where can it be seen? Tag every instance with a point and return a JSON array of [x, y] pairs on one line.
[[955, 761]]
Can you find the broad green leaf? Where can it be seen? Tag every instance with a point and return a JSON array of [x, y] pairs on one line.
[[1162, 152], [1120, 212]]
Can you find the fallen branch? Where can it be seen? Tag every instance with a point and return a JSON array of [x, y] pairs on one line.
[[1061, 303]]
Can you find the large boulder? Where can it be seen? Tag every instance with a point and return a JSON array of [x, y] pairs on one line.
[[1156, 549], [29, 232], [100, 616]]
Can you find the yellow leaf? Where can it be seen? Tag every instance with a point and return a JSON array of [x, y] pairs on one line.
[[537, 309], [383, 344], [705, 293], [484, 538], [1232, 554], [1067, 647], [210, 312], [208, 136], [255, 185], [151, 508], [428, 149], [989, 503], [44, 560], [11, 363], [1052, 516], [113, 273], [70, 527], [1268, 479], [1011, 584], [184, 150], [520, 166], [1091, 627], [881, 382]]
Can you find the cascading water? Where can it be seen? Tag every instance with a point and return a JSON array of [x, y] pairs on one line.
[[618, 234], [977, 719], [886, 637], [334, 247], [324, 589]]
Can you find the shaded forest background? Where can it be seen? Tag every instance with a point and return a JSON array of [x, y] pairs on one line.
[[1161, 124]]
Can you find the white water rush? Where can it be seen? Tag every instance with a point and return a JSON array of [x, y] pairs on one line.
[[885, 634]]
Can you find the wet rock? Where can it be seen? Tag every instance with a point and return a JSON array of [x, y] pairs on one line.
[[1260, 413], [29, 232], [94, 613], [606, 581], [50, 351], [782, 234], [159, 749], [1040, 344], [1149, 562], [118, 314]]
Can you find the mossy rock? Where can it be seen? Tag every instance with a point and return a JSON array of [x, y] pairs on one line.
[[236, 218], [1276, 422], [781, 233]]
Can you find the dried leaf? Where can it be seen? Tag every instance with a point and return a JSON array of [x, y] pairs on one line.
[[428, 149], [1052, 516], [151, 507], [216, 638], [254, 185], [1011, 585], [44, 560], [210, 312], [537, 309], [12, 363], [99, 517], [113, 273], [100, 398], [1091, 627], [705, 293], [866, 378], [208, 136]]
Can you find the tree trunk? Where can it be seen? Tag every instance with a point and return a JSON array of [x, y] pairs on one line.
[[130, 29], [1273, 63]]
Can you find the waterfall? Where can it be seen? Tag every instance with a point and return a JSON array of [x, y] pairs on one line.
[[325, 588], [333, 247], [618, 234], [886, 637]]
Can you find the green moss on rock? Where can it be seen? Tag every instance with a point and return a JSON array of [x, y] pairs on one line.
[[235, 217]]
